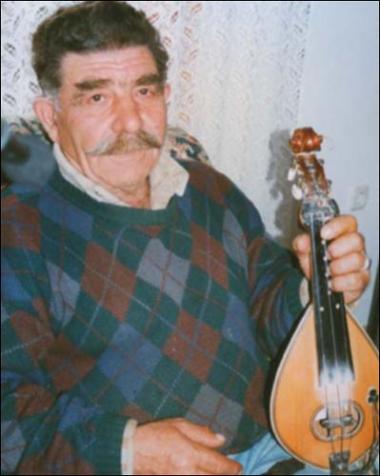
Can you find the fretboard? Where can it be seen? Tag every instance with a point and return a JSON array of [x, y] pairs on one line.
[[333, 344]]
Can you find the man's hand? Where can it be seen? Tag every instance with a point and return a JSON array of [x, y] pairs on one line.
[[346, 252], [177, 446]]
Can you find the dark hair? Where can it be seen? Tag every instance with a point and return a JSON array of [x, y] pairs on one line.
[[89, 27]]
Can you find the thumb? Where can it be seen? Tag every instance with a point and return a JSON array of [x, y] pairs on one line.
[[301, 246], [200, 434]]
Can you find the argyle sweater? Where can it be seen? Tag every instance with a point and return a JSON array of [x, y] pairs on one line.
[[110, 313]]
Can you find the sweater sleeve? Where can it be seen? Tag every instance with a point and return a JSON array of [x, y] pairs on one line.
[[46, 428], [273, 276], [275, 283]]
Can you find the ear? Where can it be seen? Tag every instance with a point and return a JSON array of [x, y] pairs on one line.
[[167, 91], [45, 110]]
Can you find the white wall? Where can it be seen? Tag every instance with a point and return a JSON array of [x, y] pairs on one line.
[[340, 99]]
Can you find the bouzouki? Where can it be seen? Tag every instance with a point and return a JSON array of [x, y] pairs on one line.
[[324, 402]]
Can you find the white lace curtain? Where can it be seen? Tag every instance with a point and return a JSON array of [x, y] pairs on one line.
[[236, 69]]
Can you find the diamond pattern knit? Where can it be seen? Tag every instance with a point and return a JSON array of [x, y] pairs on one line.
[[110, 313]]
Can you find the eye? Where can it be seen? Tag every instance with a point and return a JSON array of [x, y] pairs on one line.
[[97, 98], [149, 91], [145, 91]]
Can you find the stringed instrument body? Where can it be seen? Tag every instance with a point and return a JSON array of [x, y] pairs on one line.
[[324, 402]]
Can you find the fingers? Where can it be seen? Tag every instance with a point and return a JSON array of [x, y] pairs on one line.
[[342, 231], [348, 276], [348, 243], [352, 285], [208, 461], [342, 246], [339, 226], [347, 255], [302, 247], [346, 251], [198, 433], [177, 446], [351, 263], [352, 282], [301, 244]]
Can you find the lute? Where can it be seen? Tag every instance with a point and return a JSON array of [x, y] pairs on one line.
[[324, 401]]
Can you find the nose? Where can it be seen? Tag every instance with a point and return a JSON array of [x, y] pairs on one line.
[[127, 116]]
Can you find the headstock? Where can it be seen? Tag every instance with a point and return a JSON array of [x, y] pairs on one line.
[[312, 186]]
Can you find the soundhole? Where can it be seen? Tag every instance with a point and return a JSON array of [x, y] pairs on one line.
[[335, 424]]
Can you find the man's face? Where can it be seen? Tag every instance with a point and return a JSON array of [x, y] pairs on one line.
[[111, 118]]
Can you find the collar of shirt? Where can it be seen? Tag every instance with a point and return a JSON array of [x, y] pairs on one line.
[[168, 178]]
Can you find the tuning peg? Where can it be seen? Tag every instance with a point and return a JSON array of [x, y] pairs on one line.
[[321, 161], [297, 192], [292, 174]]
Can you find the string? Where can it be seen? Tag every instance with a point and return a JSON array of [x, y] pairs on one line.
[[317, 295], [345, 400], [337, 376]]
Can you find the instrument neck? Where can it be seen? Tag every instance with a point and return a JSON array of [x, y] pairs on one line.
[[333, 345]]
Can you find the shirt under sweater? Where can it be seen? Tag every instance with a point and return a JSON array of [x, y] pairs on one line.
[[110, 313]]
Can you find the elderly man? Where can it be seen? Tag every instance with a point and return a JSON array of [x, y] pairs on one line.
[[138, 290]]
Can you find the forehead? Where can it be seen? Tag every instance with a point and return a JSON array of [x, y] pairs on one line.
[[127, 63]]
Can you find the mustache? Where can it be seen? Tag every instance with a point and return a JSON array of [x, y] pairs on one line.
[[126, 143]]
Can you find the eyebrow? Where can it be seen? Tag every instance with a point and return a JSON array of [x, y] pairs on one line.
[[149, 79], [91, 84]]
